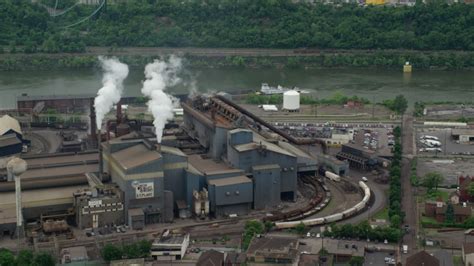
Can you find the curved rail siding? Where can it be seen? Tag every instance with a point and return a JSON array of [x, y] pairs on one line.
[[333, 217]]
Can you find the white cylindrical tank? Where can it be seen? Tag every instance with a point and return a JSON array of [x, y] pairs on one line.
[[291, 100]]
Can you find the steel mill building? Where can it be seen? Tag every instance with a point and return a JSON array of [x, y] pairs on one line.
[[218, 163]]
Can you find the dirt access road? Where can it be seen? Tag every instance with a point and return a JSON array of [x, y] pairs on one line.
[[408, 198]]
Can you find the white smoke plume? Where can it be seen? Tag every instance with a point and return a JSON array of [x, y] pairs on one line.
[[159, 75], [114, 74]]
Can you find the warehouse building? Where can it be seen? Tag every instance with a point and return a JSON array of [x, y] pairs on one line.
[[137, 168], [99, 205], [11, 136], [358, 157], [170, 246], [10, 145], [273, 250], [464, 136], [213, 166], [9, 125], [231, 195]]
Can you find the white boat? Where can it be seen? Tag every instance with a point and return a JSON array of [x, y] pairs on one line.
[[268, 90]]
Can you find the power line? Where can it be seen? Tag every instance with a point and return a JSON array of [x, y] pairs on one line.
[[64, 11], [88, 17]]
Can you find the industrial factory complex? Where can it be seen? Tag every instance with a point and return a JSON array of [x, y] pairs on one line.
[[218, 163]]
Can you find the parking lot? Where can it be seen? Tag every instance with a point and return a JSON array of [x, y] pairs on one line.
[[378, 258], [448, 145], [379, 140]]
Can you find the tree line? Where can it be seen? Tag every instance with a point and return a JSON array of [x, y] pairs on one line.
[[243, 23], [25, 258]]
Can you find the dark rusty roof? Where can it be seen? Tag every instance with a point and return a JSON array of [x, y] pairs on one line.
[[274, 247], [468, 248], [211, 258], [422, 258]]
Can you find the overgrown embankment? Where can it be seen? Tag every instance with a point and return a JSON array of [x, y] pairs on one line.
[[250, 58]]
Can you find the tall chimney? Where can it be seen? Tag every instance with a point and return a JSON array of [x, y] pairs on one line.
[[99, 146], [93, 127], [158, 147], [119, 112]]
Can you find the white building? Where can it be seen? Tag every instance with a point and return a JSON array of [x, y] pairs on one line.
[[468, 253], [170, 246]]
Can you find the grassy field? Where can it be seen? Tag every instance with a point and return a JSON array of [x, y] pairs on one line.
[[457, 261], [382, 214], [444, 195], [431, 220]]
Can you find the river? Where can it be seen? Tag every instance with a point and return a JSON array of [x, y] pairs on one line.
[[375, 84]]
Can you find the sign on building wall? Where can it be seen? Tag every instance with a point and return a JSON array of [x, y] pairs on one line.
[[144, 190], [95, 203]]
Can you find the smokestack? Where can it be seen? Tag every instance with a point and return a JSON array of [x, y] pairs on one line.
[[158, 147], [115, 73], [101, 164], [93, 125], [119, 113]]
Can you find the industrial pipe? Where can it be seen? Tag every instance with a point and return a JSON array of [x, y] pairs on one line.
[[271, 127]]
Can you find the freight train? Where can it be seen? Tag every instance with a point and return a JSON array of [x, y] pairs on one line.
[[333, 217]]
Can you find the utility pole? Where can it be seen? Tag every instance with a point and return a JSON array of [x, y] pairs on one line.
[[373, 107]]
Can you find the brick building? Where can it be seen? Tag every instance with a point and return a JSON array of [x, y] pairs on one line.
[[437, 210], [464, 182]]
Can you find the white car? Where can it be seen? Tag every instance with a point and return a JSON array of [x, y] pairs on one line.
[[365, 179]]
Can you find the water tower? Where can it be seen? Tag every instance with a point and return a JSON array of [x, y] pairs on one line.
[[15, 168]]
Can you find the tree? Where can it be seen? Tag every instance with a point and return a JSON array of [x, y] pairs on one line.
[[268, 226], [400, 104], [432, 180], [300, 228], [145, 247], [111, 252], [6, 257], [25, 258], [395, 221], [470, 189], [43, 259], [356, 261], [252, 228], [469, 222], [449, 214]]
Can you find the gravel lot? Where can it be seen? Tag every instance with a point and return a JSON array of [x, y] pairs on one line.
[[449, 168]]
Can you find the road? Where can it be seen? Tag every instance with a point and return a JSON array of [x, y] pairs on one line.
[[408, 199], [378, 204]]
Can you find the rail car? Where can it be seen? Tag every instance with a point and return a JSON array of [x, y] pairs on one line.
[[333, 217]]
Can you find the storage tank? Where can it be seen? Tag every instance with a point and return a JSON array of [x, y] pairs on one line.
[[291, 100]]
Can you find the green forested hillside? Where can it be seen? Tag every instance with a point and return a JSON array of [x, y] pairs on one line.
[[237, 23]]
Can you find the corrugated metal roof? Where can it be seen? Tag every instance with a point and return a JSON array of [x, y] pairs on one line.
[[265, 167], [40, 197], [207, 165], [264, 145], [9, 123], [9, 140], [172, 150], [135, 156], [295, 150], [66, 158], [459, 131], [8, 216], [230, 181], [60, 171], [270, 146]]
